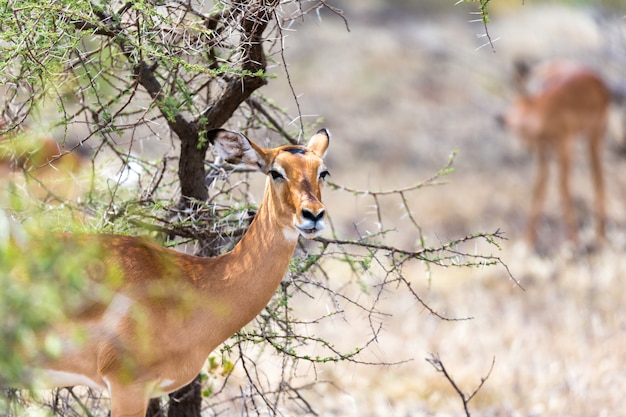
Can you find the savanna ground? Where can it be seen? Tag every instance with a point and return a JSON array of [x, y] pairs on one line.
[[400, 91]]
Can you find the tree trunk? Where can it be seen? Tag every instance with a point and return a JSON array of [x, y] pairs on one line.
[[191, 172], [154, 408], [187, 401]]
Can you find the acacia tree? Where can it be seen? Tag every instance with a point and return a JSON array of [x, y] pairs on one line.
[[118, 66], [123, 71]]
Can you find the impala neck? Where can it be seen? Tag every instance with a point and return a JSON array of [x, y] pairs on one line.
[[266, 248], [255, 267]]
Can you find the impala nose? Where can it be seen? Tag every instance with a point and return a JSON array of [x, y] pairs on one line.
[[309, 215]]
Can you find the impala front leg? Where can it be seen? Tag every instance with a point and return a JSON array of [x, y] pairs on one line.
[[595, 153], [539, 194], [128, 400], [565, 160]]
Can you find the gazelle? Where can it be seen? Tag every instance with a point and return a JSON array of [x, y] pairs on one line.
[[159, 313], [562, 102]]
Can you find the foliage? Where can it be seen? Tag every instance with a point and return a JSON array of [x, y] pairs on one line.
[[121, 76], [41, 283]]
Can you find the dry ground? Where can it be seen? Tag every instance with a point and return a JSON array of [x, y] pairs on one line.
[[399, 92]]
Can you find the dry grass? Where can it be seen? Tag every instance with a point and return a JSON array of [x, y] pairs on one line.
[[399, 96]]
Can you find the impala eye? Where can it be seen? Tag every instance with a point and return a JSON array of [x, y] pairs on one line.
[[324, 174], [276, 175]]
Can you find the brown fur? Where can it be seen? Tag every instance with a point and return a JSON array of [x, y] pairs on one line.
[[563, 101]]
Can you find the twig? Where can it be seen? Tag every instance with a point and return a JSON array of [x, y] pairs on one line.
[[436, 362]]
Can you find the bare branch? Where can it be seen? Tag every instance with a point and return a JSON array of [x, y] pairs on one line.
[[436, 362]]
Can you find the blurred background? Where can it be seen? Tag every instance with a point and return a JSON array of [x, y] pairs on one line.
[[411, 82]]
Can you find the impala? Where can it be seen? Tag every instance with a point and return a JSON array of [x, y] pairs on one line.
[[31, 151], [39, 165], [166, 311], [563, 101]]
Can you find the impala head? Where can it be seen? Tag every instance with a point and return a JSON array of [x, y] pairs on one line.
[[295, 177], [523, 119]]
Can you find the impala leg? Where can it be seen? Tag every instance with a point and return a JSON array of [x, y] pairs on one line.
[[128, 400], [595, 153], [539, 194], [565, 161]]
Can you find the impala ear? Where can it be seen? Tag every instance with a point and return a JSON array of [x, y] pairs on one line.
[[318, 144], [235, 148]]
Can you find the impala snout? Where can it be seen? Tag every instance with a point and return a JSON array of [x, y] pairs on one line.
[[311, 222], [309, 215]]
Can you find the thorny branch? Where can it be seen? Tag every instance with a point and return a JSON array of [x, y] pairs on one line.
[[436, 362], [483, 13]]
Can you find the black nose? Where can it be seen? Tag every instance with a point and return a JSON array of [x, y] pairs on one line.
[[308, 214]]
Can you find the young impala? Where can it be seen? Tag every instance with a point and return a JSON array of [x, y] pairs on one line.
[[159, 313], [563, 101]]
